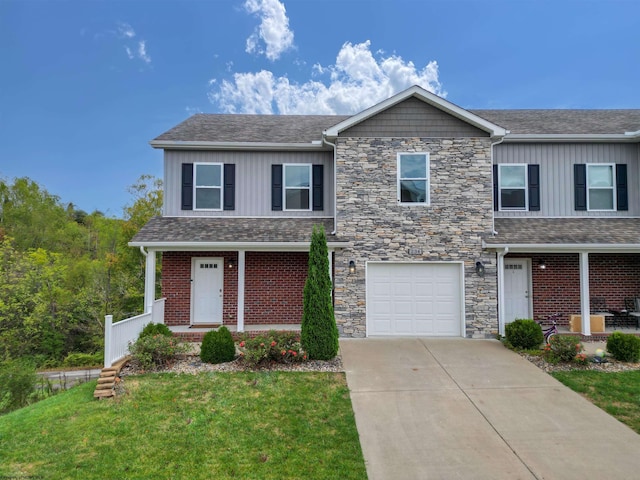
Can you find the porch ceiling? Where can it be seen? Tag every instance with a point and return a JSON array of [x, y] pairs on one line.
[[209, 231], [581, 233]]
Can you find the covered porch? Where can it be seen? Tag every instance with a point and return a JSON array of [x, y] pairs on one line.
[[584, 269], [245, 274]]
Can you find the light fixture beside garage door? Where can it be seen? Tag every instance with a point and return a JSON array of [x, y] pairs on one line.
[[480, 268], [352, 267]]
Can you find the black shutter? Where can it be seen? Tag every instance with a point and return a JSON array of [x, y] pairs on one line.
[[187, 186], [580, 186], [622, 195], [534, 187], [276, 187], [229, 187], [495, 188], [318, 187]]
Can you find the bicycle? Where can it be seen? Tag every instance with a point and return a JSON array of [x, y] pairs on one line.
[[553, 329]]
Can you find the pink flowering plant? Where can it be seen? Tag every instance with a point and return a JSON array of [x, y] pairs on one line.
[[278, 347], [564, 348]]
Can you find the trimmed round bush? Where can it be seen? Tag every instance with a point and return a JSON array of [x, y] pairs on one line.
[[524, 333], [155, 329], [624, 347], [218, 346]]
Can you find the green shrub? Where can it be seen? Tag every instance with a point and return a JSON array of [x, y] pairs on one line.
[[319, 333], [77, 359], [17, 383], [279, 347], [563, 348], [524, 333], [155, 329], [624, 347], [156, 351], [218, 346]]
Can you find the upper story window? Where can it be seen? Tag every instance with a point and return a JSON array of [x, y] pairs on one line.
[[513, 185], [208, 186], [297, 187], [413, 178], [601, 187]]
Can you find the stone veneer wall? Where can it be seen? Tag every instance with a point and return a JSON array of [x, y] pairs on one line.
[[450, 229]]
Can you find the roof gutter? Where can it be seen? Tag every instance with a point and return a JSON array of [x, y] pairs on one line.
[[564, 247], [193, 145], [253, 246], [590, 138]]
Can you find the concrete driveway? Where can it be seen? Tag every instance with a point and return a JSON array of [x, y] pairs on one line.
[[454, 408]]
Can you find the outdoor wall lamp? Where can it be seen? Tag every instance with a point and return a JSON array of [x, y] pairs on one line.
[[232, 262], [352, 267], [541, 264], [480, 269]]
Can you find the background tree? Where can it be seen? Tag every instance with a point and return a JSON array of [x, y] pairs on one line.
[[319, 333]]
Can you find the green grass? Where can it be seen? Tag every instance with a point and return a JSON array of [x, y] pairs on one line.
[[246, 425], [616, 393]]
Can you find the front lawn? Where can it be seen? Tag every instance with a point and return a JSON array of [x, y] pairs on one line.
[[249, 425], [616, 393]]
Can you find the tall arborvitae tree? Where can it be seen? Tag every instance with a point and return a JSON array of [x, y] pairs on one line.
[[319, 333]]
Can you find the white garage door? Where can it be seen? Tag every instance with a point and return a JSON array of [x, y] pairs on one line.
[[414, 299]]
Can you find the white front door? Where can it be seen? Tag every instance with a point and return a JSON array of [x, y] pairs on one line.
[[516, 289], [206, 290]]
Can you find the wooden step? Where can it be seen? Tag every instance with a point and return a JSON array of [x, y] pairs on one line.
[[106, 380], [105, 386], [103, 394], [107, 374]]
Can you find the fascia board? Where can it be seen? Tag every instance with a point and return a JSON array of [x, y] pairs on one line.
[[604, 137], [180, 145], [249, 246], [426, 96], [564, 247]]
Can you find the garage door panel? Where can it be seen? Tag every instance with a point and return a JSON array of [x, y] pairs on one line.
[[414, 299]]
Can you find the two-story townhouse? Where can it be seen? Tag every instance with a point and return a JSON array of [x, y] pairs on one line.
[[437, 217]]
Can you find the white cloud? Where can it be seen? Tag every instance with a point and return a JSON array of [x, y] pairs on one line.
[[125, 30], [142, 52], [273, 30], [356, 81], [129, 53]]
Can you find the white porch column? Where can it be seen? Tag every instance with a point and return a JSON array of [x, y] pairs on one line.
[[149, 281], [241, 266], [585, 310], [501, 306]]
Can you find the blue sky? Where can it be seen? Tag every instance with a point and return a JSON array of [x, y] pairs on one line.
[[85, 85]]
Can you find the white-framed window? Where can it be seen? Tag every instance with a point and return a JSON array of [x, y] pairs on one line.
[[512, 185], [207, 186], [413, 178], [601, 186], [297, 186]]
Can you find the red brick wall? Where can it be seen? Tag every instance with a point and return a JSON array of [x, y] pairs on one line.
[[274, 283], [176, 286], [556, 289]]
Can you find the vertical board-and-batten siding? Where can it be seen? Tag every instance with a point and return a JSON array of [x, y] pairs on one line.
[[556, 173], [253, 181], [413, 118]]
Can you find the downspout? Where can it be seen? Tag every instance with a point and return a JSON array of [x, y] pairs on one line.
[[493, 220], [335, 183], [501, 307]]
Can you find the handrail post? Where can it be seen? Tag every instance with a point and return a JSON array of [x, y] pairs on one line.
[[108, 322]]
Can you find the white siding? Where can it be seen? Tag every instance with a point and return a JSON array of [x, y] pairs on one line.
[[556, 173], [253, 181]]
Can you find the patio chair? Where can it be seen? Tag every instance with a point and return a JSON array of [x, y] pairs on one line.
[[598, 306], [632, 306]]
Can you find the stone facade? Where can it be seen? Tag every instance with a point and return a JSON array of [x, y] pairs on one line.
[[451, 228]]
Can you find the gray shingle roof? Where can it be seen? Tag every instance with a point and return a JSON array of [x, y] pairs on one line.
[[583, 230], [564, 121], [307, 128], [229, 230], [252, 128]]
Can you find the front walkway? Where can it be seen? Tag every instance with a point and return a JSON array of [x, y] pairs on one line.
[[471, 409]]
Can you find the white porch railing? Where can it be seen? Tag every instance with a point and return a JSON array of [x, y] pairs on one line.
[[118, 335]]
